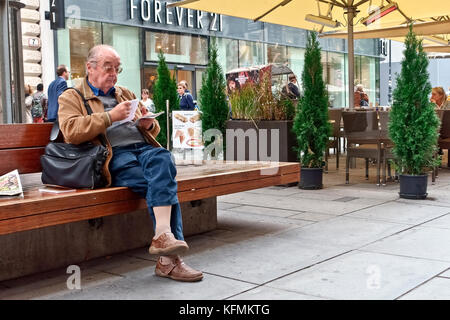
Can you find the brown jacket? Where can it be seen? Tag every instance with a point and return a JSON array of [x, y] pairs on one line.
[[78, 127]]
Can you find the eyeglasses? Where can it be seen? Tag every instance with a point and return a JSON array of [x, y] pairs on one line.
[[111, 69]]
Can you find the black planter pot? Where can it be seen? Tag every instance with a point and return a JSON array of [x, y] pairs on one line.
[[413, 187], [311, 178]]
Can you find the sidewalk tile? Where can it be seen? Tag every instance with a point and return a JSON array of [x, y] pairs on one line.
[[442, 222], [151, 287], [267, 293], [344, 231], [262, 258], [401, 213], [435, 289], [419, 242], [361, 275]]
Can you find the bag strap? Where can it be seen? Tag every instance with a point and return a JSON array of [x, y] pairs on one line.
[[55, 129]]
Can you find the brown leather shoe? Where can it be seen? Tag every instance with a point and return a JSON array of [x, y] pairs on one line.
[[176, 269], [166, 244]]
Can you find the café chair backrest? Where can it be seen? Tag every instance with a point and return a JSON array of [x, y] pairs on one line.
[[355, 121], [335, 115], [384, 120], [445, 124]]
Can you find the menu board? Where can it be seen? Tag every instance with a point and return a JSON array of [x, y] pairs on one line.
[[187, 129]]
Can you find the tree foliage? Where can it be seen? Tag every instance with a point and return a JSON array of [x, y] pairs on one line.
[[165, 89], [213, 100], [311, 124], [413, 125]]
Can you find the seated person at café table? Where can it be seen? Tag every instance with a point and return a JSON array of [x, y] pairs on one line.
[[361, 99], [439, 98], [135, 159]]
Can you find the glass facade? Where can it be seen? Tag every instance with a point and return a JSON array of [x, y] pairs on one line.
[[177, 48], [140, 36]]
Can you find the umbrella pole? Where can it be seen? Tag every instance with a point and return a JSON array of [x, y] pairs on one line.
[[351, 57]]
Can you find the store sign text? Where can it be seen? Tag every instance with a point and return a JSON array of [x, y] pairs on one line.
[[157, 12]]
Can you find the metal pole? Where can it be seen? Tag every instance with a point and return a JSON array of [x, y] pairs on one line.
[[17, 72], [351, 57], [168, 125], [390, 76]]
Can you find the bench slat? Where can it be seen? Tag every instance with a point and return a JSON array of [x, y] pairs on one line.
[[24, 135], [65, 216], [229, 175], [220, 190], [25, 160]]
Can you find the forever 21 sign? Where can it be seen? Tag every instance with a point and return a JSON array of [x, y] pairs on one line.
[[157, 12]]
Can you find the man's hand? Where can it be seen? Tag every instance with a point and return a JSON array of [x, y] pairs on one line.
[[121, 111], [145, 123]]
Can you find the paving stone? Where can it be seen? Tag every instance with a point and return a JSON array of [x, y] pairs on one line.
[[435, 289], [312, 216], [344, 231], [419, 242], [446, 274], [267, 293], [48, 285], [262, 258], [264, 211], [282, 192], [401, 212], [315, 205], [345, 199], [236, 226], [442, 222], [152, 287], [225, 205], [123, 265], [361, 275]]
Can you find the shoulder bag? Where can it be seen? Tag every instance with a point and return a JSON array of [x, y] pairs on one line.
[[74, 166]]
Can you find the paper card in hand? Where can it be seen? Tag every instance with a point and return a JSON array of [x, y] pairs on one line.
[[149, 115]]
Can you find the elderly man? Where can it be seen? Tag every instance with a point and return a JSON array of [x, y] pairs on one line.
[[135, 159]]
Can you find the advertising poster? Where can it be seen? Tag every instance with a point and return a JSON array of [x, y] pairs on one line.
[[187, 130]]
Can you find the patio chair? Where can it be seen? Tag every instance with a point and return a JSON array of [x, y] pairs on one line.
[[444, 133], [362, 133], [335, 115], [383, 117]]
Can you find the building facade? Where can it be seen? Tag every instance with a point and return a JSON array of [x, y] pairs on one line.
[[139, 29]]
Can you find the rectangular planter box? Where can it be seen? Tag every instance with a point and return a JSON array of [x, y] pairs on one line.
[[252, 134]]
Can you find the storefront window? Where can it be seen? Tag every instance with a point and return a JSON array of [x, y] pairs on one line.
[[276, 54], [296, 61], [79, 38], [177, 48], [335, 69], [117, 36], [250, 53], [227, 54]]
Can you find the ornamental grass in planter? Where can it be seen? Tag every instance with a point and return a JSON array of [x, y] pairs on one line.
[[311, 124], [413, 125], [256, 107]]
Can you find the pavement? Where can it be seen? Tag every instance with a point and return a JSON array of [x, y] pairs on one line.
[[356, 241]]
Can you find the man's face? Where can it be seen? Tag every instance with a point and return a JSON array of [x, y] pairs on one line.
[[103, 73], [66, 75]]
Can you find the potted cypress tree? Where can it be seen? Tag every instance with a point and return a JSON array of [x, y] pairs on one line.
[[213, 100], [413, 125], [311, 125], [165, 89]]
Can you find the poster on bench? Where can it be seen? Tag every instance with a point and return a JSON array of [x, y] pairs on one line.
[[187, 130]]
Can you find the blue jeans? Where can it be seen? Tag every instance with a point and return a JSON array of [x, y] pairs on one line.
[[150, 172]]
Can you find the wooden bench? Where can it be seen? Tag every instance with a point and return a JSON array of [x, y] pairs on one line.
[[22, 145]]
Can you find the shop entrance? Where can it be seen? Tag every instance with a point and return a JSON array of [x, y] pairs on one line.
[[191, 74]]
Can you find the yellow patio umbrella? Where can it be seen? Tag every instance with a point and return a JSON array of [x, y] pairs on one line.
[[328, 15]]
